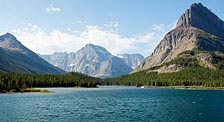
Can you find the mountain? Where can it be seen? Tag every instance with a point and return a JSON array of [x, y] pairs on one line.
[[132, 60], [94, 61], [62, 60], [202, 18], [197, 29], [16, 58], [189, 56]]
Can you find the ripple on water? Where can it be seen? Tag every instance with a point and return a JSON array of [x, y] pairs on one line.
[[114, 104]]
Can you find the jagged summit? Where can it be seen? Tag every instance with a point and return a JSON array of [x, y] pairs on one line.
[[200, 17], [95, 60], [90, 51], [198, 28], [91, 47]]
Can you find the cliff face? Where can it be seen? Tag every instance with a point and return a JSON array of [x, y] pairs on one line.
[[62, 60], [202, 18], [95, 61], [175, 42], [132, 60], [197, 28]]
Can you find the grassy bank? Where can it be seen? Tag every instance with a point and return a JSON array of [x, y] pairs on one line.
[[27, 90]]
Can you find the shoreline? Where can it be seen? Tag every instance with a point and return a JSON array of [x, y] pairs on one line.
[[27, 90], [37, 90], [40, 90], [187, 87]]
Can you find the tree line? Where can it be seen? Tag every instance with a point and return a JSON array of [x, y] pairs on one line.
[[18, 82], [192, 74]]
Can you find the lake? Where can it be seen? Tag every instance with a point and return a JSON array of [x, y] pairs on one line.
[[112, 104]]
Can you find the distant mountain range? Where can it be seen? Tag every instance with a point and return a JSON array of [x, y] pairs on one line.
[[95, 61], [16, 58], [91, 60]]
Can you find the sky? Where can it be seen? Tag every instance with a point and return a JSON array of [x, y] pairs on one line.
[[121, 26]]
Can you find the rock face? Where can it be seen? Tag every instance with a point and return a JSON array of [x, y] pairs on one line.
[[62, 60], [132, 60], [8, 41], [197, 28], [16, 58], [202, 18], [94, 61], [206, 59]]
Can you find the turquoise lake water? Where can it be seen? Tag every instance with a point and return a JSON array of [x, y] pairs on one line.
[[112, 104]]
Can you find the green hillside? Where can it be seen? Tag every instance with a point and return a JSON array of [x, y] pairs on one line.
[[193, 73]]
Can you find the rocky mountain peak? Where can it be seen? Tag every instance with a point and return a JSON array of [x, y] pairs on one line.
[[200, 17], [96, 48], [91, 52], [16, 58], [9, 36], [95, 61], [9, 41], [197, 28]]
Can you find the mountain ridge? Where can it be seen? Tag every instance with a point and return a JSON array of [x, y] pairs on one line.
[[202, 18], [186, 36], [95, 61], [16, 58]]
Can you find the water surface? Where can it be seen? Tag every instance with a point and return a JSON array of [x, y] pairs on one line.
[[110, 104]]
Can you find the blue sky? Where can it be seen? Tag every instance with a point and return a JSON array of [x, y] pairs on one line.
[[121, 26]]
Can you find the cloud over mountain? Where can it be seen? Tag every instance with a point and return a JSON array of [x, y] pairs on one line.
[[40, 41]]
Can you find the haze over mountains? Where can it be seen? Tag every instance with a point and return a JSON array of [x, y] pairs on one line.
[[16, 58], [197, 29], [95, 61]]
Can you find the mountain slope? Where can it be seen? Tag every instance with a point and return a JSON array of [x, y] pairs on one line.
[[97, 61], [132, 60], [198, 28], [194, 68], [61, 60], [16, 58], [92, 60], [202, 18]]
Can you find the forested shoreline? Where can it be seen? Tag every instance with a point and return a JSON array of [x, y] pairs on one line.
[[19, 82], [193, 73], [190, 76]]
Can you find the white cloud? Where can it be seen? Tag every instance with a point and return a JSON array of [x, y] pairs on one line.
[[75, 31], [51, 8], [79, 21], [115, 24], [40, 41], [161, 27], [112, 24]]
